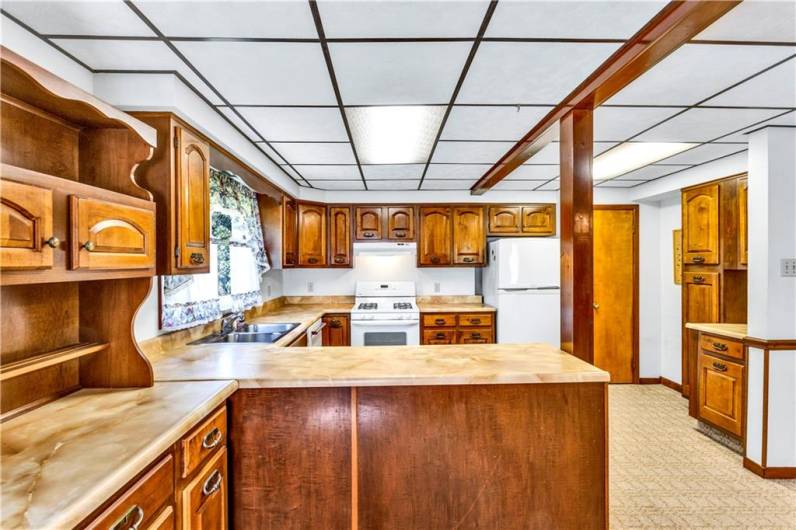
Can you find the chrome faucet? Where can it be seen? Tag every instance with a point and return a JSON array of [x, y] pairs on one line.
[[231, 322]]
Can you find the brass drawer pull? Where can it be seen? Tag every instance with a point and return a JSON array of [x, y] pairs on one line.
[[123, 523], [89, 245], [213, 483], [719, 367], [440, 336], [197, 258], [212, 439], [718, 346], [475, 335], [699, 279], [339, 259], [312, 260], [53, 242], [475, 321], [698, 259], [369, 234], [435, 259], [335, 324], [439, 321], [400, 234]]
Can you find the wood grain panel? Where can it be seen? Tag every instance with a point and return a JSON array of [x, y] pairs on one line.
[[491, 456], [291, 458], [701, 225], [368, 223], [289, 232], [337, 331], [539, 219], [435, 245], [26, 225], [721, 385], [401, 223], [311, 235], [192, 193], [340, 242], [504, 219], [469, 235]]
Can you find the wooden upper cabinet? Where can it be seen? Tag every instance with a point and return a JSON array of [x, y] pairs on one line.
[[110, 235], [289, 232], [505, 219], [743, 221], [539, 219], [701, 297], [401, 223], [311, 235], [339, 236], [469, 237], [369, 223], [26, 226], [701, 225], [435, 246], [193, 201]]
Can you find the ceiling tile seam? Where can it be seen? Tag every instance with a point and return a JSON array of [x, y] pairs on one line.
[[218, 93], [490, 10], [692, 167], [491, 105], [316, 16], [45, 39]]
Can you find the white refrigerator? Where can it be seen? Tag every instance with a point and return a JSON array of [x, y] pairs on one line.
[[523, 281]]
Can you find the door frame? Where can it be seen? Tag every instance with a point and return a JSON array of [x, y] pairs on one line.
[[635, 209]]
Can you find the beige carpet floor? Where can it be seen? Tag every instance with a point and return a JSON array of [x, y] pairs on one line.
[[665, 474]]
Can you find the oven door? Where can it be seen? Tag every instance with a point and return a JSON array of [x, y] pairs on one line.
[[385, 332]]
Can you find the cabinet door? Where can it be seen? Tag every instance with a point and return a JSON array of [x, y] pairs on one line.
[[311, 235], [26, 226], [743, 220], [435, 236], [701, 295], [539, 219], [340, 236], [721, 392], [368, 223], [401, 223], [505, 219], [109, 235], [192, 189], [701, 225], [337, 330], [469, 237], [289, 233], [204, 499]]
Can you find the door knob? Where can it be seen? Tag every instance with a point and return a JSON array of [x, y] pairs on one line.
[[596, 306]]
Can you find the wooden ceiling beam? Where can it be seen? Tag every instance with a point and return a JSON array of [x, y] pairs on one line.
[[677, 23]]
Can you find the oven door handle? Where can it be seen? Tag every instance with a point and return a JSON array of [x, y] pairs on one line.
[[403, 323]]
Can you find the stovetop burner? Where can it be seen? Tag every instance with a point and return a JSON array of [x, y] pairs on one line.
[[402, 305], [368, 306]]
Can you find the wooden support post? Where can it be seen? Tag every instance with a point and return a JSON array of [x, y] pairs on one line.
[[577, 274]]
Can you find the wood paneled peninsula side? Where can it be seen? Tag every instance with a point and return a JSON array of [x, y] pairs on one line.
[[409, 436]]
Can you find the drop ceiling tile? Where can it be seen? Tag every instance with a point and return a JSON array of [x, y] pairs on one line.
[[234, 118], [491, 123], [579, 20], [293, 174], [448, 184], [755, 21], [291, 124], [278, 73], [704, 124], [338, 185], [305, 153], [456, 171], [470, 152], [79, 18], [393, 171], [650, 172], [270, 152], [332, 172], [369, 19], [529, 172], [788, 119], [775, 88], [620, 183], [388, 73], [551, 153], [516, 185], [231, 18], [620, 123], [523, 72], [697, 71], [553, 185], [404, 184], [703, 153]]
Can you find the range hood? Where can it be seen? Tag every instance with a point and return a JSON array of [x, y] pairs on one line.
[[385, 249]]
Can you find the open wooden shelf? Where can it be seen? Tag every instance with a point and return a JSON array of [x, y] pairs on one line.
[[48, 359]]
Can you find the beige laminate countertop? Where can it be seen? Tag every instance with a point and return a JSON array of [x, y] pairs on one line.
[[733, 331], [64, 459]]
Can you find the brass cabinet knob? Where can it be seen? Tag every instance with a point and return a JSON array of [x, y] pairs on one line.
[[53, 242], [596, 306], [698, 259], [339, 259], [89, 245], [197, 258]]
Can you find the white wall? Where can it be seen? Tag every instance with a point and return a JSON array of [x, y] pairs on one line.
[[669, 292]]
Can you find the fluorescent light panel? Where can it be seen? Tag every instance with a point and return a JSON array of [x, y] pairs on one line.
[[394, 135], [633, 155]]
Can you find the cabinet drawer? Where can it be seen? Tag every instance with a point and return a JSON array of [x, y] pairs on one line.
[[439, 320], [730, 348], [438, 336], [476, 319], [721, 386], [196, 446], [475, 336], [138, 507], [204, 499]]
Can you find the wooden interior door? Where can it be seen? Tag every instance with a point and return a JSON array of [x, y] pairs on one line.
[[469, 239], [289, 232], [616, 292], [368, 223], [401, 223], [26, 226], [193, 201], [435, 236], [311, 235], [701, 225], [340, 236]]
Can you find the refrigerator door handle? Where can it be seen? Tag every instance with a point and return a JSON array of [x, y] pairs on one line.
[[540, 288]]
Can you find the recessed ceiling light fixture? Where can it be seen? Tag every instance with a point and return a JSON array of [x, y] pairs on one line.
[[394, 135], [633, 155]]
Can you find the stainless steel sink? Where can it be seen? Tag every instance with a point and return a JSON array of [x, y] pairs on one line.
[[261, 333]]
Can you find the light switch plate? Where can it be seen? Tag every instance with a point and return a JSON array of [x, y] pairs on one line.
[[436, 287], [788, 267], [310, 287]]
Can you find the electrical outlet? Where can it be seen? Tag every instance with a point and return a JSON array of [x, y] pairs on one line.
[[436, 287], [310, 287], [788, 267]]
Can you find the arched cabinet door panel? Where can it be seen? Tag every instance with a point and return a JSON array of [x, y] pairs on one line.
[[368, 223], [469, 238], [701, 225], [311, 235], [110, 235], [435, 235], [539, 219], [504, 219], [193, 201], [401, 223], [339, 236], [26, 226]]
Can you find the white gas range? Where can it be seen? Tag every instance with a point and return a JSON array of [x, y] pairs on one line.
[[385, 314]]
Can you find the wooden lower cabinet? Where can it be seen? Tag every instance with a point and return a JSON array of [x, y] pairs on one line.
[[337, 331], [721, 392], [204, 499], [461, 328]]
